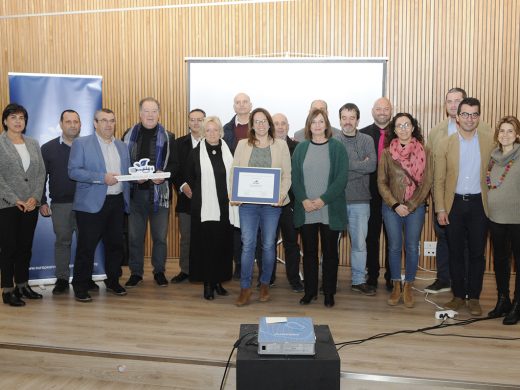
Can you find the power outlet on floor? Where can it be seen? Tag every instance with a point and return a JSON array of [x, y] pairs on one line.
[[430, 248]]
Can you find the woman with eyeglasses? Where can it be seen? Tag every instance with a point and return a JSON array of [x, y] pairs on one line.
[[319, 176], [22, 177], [404, 179], [503, 181], [211, 245], [262, 150]]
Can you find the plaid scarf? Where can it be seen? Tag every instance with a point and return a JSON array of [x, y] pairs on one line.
[[161, 192]]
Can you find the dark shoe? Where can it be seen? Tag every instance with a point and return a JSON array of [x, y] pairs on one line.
[[220, 290], [160, 279], [133, 281], [502, 307], [372, 282], [297, 287], [514, 315], [115, 288], [389, 285], [27, 292], [455, 304], [438, 287], [60, 287], [307, 298], [12, 299], [92, 286], [364, 289], [329, 300], [208, 291], [180, 277], [82, 296]]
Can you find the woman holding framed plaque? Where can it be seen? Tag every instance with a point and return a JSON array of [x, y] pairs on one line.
[[211, 244], [319, 178], [261, 150]]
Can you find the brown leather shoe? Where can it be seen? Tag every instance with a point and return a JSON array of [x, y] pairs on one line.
[[264, 293], [408, 295], [455, 304], [474, 307], [243, 298], [396, 293]]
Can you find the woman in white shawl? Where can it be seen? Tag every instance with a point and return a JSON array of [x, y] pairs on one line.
[[211, 246]]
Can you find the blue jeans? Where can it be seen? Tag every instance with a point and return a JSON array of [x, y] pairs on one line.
[[252, 217], [412, 225], [358, 215], [142, 210]]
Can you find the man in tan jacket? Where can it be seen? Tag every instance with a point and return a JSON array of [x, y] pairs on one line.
[[460, 195], [444, 129]]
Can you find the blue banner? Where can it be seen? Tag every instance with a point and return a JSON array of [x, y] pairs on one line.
[[46, 96]]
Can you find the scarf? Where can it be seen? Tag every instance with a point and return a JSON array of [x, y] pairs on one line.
[[210, 210], [412, 159], [161, 192]]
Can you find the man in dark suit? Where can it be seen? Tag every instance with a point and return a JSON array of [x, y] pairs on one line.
[[100, 202], [382, 114], [184, 145]]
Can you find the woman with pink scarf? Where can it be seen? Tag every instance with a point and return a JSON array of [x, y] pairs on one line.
[[404, 178]]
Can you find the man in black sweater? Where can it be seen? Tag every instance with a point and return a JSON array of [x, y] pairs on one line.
[[61, 191]]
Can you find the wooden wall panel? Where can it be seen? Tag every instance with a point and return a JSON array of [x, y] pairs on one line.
[[139, 47]]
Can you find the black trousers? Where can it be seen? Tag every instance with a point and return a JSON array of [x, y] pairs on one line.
[[375, 223], [105, 225], [506, 239], [330, 260], [16, 239], [468, 221]]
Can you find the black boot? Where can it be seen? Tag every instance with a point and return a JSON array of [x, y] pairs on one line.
[[220, 290], [502, 308], [208, 291], [11, 299], [27, 292], [514, 315]]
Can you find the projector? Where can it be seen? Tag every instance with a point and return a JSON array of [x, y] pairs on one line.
[[286, 336]]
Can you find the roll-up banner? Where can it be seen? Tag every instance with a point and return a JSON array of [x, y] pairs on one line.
[[45, 97]]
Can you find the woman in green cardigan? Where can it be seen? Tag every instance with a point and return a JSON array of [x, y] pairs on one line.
[[319, 178]]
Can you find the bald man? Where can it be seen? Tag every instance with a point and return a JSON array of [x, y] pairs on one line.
[[382, 114], [319, 104], [236, 129]]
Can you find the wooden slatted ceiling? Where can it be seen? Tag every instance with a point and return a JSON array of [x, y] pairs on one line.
[[431, 46]]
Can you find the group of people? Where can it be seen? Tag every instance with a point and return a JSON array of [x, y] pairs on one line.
[[331, 180]]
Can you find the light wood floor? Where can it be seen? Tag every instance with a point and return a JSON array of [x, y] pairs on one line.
[[171, 338]]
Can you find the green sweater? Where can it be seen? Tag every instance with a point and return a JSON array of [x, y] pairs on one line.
[[334, 197]]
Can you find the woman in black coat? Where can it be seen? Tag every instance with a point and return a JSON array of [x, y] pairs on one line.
[[211, 246]]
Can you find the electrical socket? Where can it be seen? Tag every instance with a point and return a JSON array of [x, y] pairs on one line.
[[430, 248], [444, 314]]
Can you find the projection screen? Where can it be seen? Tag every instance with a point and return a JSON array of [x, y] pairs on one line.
[[286, 85]]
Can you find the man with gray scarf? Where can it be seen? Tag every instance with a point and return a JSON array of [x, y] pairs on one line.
[[150, 199]]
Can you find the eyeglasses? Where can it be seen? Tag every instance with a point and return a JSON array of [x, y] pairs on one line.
[[260, 122], [466, 115], [193, 120], [403, 126], [105, 121]]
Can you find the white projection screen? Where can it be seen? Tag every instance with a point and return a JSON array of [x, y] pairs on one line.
[[286, 85]]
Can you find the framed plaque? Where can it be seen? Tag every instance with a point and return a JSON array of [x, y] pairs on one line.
[[256, 185]]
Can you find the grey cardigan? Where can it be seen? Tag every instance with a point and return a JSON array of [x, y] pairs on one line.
[[15, 183]]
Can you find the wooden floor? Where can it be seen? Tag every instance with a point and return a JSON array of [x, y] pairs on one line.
[[171, 338]]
